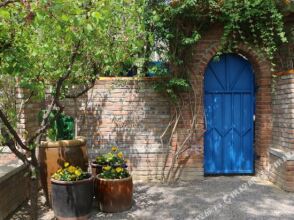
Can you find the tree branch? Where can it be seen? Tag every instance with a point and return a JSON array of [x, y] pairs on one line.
[[12, 131], [88, 86], [23, 102], [55, 102], [19, 154]]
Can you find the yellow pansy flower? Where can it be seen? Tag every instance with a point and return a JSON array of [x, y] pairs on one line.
[[107, 168], [56, 176], [71, 169], [119, 169], [120, 155], [66, 164], [78, 173], [114, 148]]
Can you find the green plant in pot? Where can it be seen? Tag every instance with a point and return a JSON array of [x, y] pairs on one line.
[[114, 158], [72, 193], [114, 185]]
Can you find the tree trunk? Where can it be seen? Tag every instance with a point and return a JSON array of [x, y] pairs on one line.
[[34, 196]]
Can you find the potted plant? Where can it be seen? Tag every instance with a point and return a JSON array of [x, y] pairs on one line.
[[72, 193], [107, 159], [61, 146], [97, 164], [114, 185]]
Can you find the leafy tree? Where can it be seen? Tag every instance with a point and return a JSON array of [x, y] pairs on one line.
[[60, 44], [7, 101]]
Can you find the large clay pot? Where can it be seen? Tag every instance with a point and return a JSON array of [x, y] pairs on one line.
[[114, 195], [72, 200], [52, 156]]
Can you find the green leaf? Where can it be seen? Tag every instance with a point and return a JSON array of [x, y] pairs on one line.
[[96, 15], [4, 13]]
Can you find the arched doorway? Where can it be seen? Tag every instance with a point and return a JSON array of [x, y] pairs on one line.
[[229, 116]]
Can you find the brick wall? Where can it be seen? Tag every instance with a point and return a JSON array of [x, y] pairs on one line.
[[281, 171], [27, 111], [129, 113], [283, 131], [283, 113]]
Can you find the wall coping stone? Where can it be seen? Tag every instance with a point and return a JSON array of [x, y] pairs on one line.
[[7, 171], [128, 78], [281, 154], [284, 73]]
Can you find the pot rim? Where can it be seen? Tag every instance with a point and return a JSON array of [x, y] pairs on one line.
[[113, 180], [77, 142], [94, 163], [60, 182]]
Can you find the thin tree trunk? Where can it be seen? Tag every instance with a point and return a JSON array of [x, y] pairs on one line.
[[33, 198]]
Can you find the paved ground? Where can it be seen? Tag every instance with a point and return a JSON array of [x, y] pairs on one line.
[[218, 198], [8, 162], [6, 157]]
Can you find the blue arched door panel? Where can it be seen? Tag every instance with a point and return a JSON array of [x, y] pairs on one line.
[[229, 109]]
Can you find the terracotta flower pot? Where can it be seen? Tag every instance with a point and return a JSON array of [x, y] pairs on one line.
[[72, 200], [96, 168], [114, 195], [53, 154]]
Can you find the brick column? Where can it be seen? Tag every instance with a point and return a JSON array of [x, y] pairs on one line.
[[283, 132]]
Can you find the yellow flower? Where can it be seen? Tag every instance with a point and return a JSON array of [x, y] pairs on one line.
[[66, 164], [78, 173], [71, 169], [114, 148], [58, 171], [119, 169], [56, 176], [120, 155], [107, 168]]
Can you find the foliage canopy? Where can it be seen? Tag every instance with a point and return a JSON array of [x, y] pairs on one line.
[[38, 37]]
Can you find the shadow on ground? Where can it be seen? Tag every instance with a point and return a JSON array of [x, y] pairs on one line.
[[197, 200]]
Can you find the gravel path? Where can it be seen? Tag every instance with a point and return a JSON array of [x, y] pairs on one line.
[[218, 198]]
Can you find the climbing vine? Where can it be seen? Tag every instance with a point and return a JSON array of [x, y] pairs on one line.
[[177, 25]]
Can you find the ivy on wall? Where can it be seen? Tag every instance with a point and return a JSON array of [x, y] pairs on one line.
[[179, 24]]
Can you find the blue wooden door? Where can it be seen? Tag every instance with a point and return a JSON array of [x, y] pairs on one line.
[[229, 110]]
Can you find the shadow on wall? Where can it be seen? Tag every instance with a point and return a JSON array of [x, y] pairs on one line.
[[132, 116]]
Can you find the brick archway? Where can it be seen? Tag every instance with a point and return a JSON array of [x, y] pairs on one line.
[[263, 78]]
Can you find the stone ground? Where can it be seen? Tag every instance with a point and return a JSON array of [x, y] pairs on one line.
[[8, 162], [195, 200]]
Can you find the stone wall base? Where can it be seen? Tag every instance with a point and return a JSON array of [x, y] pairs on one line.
[[282, 169]]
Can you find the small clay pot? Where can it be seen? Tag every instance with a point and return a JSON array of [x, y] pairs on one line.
[[114, 195], [72, 200], [96, 168]]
